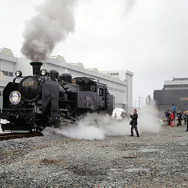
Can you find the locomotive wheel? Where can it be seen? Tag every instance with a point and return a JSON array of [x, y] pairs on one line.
[[37, 129]]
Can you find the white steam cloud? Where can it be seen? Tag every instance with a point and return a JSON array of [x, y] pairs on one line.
[[96, 126], [54, 20], [149, 118]]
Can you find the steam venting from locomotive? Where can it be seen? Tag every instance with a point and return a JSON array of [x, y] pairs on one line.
[[98, 126], [54, 20]]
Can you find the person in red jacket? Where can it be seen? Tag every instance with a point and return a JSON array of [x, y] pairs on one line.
[[171, 119]]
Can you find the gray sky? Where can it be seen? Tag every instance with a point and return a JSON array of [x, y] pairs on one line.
[[147, 37]]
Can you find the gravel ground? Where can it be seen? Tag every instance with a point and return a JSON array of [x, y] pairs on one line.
[[151, 160]]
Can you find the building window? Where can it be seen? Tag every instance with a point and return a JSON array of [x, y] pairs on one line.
[[114, 74], [7, 73]]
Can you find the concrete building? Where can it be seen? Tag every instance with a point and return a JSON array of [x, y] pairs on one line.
[[174, 92], [125, 76], [119, 82]]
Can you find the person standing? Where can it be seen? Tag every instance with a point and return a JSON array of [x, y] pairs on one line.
[[171, 119], [185, 117], [134, 122], [168, 116], [174, 112], [187, 122], [179, 114]]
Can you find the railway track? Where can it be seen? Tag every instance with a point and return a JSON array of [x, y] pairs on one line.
[[8, 136]]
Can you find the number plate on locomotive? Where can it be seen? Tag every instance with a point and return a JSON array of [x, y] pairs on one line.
[[28, 83], [87, 98]]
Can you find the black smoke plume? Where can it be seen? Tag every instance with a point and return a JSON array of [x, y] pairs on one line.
[[53, 21]]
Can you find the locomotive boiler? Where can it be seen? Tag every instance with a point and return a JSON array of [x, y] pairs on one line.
[[47, 98]]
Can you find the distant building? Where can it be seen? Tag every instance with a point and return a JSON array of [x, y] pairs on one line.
[[174, 92], [125, 76], [119, 82]]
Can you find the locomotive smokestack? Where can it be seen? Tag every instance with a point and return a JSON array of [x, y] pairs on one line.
[[36, 67]]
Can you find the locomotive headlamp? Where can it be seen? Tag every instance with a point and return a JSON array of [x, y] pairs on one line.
[[15, 97], [18, 73], [43, 72]]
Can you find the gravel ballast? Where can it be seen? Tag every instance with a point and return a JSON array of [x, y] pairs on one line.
[[151, 160]]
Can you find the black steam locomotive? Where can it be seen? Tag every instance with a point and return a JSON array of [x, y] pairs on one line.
[[47, 98]]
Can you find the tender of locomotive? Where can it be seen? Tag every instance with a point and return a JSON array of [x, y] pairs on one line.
[[47, 98]]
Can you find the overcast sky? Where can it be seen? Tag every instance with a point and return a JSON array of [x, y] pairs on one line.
[[146, 37]]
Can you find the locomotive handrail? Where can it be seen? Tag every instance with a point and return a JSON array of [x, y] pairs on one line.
[[17, 79]]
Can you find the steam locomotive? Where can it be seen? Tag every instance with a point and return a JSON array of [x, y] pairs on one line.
[[47, 98]]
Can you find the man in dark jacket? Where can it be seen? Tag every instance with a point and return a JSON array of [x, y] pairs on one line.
[[185, 117], [168, 116], [179, 114], [133, 122]]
